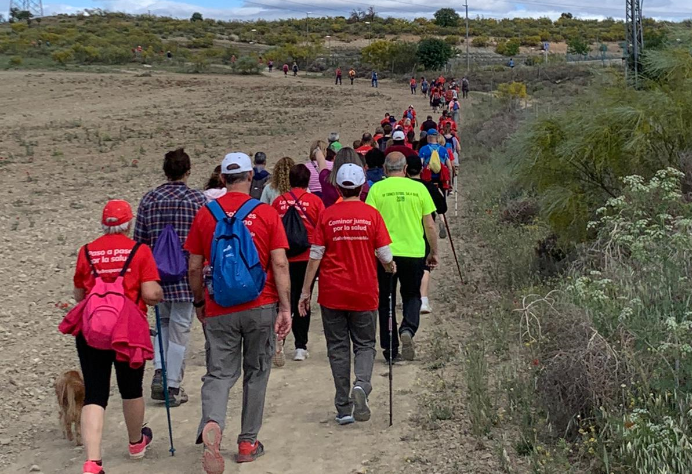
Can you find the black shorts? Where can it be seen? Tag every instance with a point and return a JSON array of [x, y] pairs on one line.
[[436, 102], [97, 366]]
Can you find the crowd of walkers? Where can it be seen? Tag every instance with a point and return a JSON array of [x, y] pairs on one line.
[[244, 256]]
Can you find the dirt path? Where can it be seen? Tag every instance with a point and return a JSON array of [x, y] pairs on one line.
[[74, 140]]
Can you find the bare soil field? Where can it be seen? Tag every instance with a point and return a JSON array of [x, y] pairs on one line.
[[72, 141]]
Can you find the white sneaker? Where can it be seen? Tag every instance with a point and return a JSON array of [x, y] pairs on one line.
[[301, 354], [425, 306]]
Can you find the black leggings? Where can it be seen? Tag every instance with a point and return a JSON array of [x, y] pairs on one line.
[[96, 369], [301, 324]]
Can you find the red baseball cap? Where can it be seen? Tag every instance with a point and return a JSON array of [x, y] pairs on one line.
[[116, 212]]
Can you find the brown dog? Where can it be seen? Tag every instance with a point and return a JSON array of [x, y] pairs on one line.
[[69, 388]]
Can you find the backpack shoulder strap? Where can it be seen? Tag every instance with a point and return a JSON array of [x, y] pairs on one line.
[[216, 210], [247, 207], [297, 203], [129, 259], [88, 259]]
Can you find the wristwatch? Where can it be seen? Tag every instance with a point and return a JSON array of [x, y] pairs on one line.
[[199, 304]]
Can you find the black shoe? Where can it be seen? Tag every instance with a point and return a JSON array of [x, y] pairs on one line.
[[176, 397], [397, 358], [157, 386]]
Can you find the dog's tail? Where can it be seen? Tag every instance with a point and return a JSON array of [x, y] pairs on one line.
[[68, 395]]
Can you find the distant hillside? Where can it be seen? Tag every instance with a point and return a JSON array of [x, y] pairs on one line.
[[112, 38]]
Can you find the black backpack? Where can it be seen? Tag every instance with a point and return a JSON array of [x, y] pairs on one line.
[[382, 143], [296, 232], [258, 186]]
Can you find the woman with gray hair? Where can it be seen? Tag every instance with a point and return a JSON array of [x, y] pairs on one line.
[[114, 260], [330, 192]]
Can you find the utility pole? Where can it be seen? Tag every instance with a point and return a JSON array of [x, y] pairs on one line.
[[307, 41], [369, 32], [35, 7], [635, 36], [468, 58]]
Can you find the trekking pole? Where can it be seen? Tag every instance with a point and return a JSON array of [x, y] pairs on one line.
[[391, 335], [451, 242], [456, 196], [165, 379]]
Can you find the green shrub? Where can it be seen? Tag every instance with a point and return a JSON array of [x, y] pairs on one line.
[[85, 54], [62, 57], [247, 65], [452, 40], [480, 42], [115, 55], [530, 40], [207, 41], [199, 63], [508, 48], [512, 94], [16, 61], [433, 53], [575, 160]]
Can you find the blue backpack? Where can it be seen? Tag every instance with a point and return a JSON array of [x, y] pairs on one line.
[[237, 275]]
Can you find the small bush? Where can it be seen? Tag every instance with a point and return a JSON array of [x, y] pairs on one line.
[[508, 48], [512, 94], [62, 57], [480, 42], [200, 64], [531, 41], [247, 65], [16, 61], [452, 40], [85, 54]]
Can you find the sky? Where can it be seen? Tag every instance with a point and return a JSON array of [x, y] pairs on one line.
[[271, 9]]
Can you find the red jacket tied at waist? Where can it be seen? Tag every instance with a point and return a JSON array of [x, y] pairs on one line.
[[130, 340]]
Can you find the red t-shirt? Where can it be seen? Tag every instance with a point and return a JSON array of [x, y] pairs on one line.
[[350, 231], [108, 254], [444, 122], [311, 204], [267, 232], [404, 149], [363, 150]]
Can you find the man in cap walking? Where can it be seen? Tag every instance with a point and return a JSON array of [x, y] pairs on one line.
[[240, 336]]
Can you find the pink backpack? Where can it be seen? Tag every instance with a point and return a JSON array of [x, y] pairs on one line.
[[103, 306]]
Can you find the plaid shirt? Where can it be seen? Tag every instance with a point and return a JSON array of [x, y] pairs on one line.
[[171, 203]]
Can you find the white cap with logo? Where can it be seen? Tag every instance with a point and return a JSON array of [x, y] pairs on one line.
[[235, 163], [350, 176], [398, 136]]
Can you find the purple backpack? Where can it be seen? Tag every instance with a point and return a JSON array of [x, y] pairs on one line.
[[169, 256]]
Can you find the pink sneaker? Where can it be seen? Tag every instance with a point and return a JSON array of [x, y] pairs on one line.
[[91, 467], [212, 460], [137, 451]]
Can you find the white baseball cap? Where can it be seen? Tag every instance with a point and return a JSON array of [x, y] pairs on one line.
[[399, 135], [235, 163], [350, 176]]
